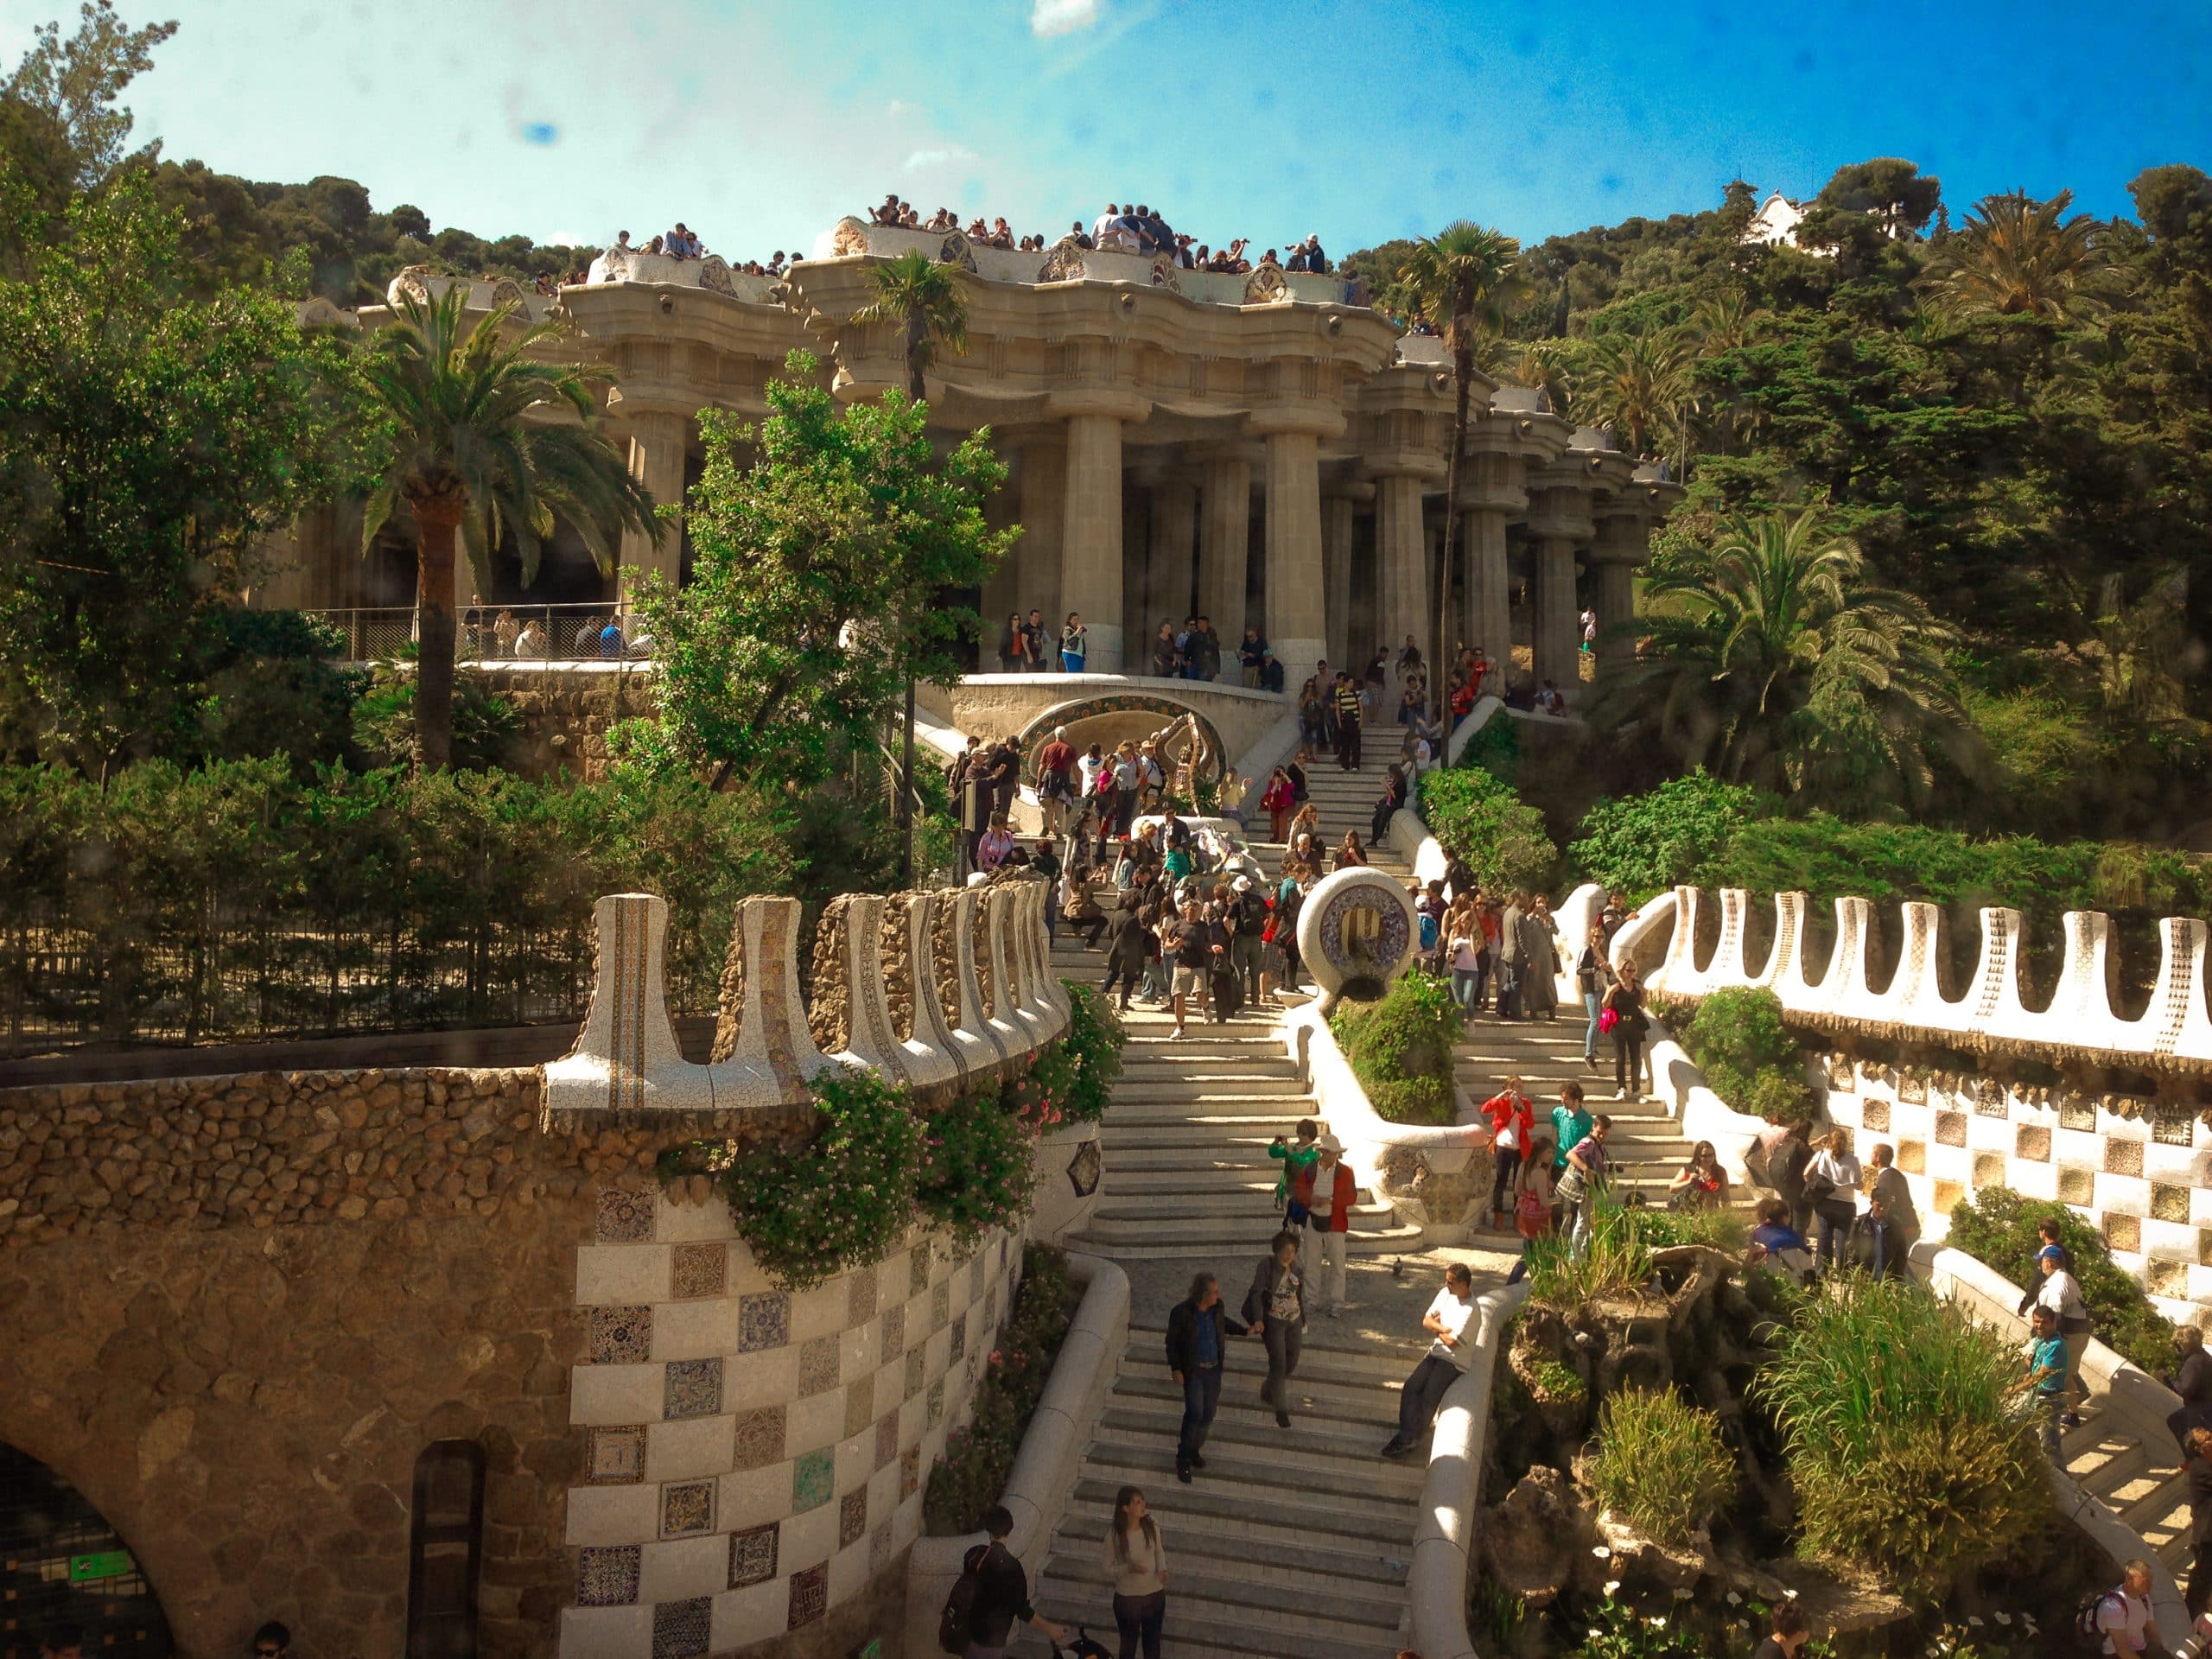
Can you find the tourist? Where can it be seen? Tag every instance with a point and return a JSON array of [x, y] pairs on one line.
[[1832, 1183], [1002, 1594], [1778, 1160], [1889, 1185], [1444, 1363], [1136, 1562], [1167, 655], [1127, 777], [1013, 646], [1774, 1239], [1532, 1199], [1577, 1187], [1250, 655], [1462, 938], [1589, 632], [1512, 950], [1196, 1348], [2123, 1614], [610, 639], [1512, 1125], [1326, 1191], [1205, 650], [1082, 907], [1539, 961], [1700, 1184], [1127, 952], [1625, 1000], [1593, 978], [2192, 1381], [1184, 941], [1275, 1308], [1571, 1126], [1345, 705], [1229, 797], [1043, 861], [272, 1641], [995, 844], [1247, 919], [1875, 1245], [1055, 780], [1791, 1632], [1075, 644], [1551, 700], [2060, 1292], [1350, 856], [1393, 798], [506, 631], [1279, 798], [2198, 1469], [530, 644]]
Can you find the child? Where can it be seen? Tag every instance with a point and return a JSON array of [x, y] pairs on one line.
[[1296, 1160]]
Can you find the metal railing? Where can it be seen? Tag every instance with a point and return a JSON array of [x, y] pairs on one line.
[[496, 633]]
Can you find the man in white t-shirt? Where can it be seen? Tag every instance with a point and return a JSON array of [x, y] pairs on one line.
[[1445, 1363], [2124, 1614]]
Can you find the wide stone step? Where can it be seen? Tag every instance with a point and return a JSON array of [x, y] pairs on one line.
[[1378, 1360], [1391, 1241], [1270, 1483], [1201, 1179], [1376, 1549], [1253, 1429], [1286, 1557], [1211, 1094], [1345, 1609], [1193, 1630], [1363, 1401], [1156, 1146]]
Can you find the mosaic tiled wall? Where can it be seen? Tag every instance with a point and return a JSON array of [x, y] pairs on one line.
[[2141, 1172], [754, 1458]]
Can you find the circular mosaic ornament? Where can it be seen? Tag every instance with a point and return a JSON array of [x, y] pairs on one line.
[[1356, 935]]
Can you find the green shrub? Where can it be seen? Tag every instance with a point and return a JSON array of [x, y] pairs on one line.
[[1496, 749], [1481, 821], [1617, 1263], [1997, 1227], [1400, 1048], [1650, 843], [976, 1171], [1905, 1454], [971, 1476], [485, 724], [1741, 1028], [1092, 1048], [1661, 1464], [1553, 1384]]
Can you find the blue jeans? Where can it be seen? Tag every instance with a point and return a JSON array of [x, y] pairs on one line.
[[1201, 1395], [1463, 981], [1590, 1036], [1833, 1235]]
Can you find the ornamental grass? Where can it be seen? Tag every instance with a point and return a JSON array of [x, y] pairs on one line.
[[1661, 1464]]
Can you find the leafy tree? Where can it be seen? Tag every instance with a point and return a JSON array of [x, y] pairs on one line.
[[819, 561], [922, 298], [1462, 278], [1639, 385], [75, 83], [149, 440], [1772, 660], [2019, 256], [462, 443], [1647, 843]]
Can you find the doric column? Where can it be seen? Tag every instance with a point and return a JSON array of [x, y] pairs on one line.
[[1558, 520], [1337, 510], [658, 441], [1401, 563], [1295, 596], [1002, 589], [1224, 541], [1622, 544], [1091, 534], [1136, 564], [1037, 554], [1491, 493], [1168, 572]]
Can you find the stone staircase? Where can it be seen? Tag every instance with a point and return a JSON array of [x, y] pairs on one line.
[[2137, 1477]]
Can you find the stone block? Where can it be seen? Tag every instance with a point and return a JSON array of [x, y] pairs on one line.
[[2123, 1232], [2032, 1142], [2076, 1185], [2123, 1156]]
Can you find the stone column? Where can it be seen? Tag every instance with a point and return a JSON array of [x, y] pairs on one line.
[[1090, 537], [1557, 636], [1167, 566], [1336, 559], [658, 439], [1401, 564], [1136, 568], [1486, 615], [1224, 541], [1037, 554], [1622, 544], [1296, 597], [1001, 589]]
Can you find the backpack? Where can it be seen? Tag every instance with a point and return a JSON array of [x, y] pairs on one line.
[[1427, 931], [2085, 1622], [956, 1624]]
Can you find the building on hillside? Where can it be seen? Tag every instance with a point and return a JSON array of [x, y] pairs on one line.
[[1775, 225], [1260, 449]]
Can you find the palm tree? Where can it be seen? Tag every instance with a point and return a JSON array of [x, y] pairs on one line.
[[461, 451], [1538, 365], [923, 297], [1637, 383], [1770, 659], [1464, 277], [2016, 256]]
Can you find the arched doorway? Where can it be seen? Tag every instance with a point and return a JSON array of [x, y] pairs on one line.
[[61, 1563]]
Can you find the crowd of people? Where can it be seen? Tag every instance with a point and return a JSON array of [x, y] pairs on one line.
[[544, 635], [680, 242], [1122, 228]]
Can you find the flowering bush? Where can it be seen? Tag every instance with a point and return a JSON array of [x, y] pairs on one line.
[[975, 1171], [1093, 1048], [971, 1475]]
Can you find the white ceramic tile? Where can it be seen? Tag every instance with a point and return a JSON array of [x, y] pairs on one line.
[[753, 1614], [815, 1421], [857, 1347], [601, 1395], [615, 1274], [855, 1458], [689, 1447], [753, 1497], [682, 1224], [695, 1330], [809, 1540], [683, 1567], [818, 1313], [605, 1632], [768, 1377], [849, 1572], [613, 1515]]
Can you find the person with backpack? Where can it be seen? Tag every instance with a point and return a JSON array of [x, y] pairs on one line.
[[1593, 978], [1274, 1308], [2060, 1292], [1137, 1560], [1197, 1329], [1532, 1201], [991, 1595], [2197, 1468], [1247, 919], [2120, 1620], [1571, 1125]]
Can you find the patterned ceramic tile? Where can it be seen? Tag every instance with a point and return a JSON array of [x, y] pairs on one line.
[[975, 1277], [625, 1218], [813, 1479], [697, 1270], [941, 1307], [682, 1629], [860, 1297], [1948, 1194], [1989, 1101], [2123, 1156], [608, 1577], [878, 1548], [2075, 1186], [917, 1271], [2032, 1142], [935, 1413], [918, 1371], [1005, 1244], [817, 1366], [810, 1595], [2204, 1247], [614, 1457], [1989, 1169], [959, 1338], [760, 1437], [910, 1472], [859, 1405], [1875, 1115], [2167, 1278], [894, 1334], [886, 1432], [693, 1388], [686, 1508], [2076, 1112], [1950, 1128], [991, 1310], [753, 1556], [1912, 1157], [764, 1320], [2170, 1202], [621, 1336], [2123, 1232], [1912, 1089], [2171, 1128], [852, 1516]]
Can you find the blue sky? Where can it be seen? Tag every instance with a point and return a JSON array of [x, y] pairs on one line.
[[759, 124]]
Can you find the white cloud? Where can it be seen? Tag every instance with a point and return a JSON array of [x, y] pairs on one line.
[[938, 157], [1050, 17], [899, 107]]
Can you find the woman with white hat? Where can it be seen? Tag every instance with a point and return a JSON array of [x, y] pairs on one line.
[[1328, 1192]]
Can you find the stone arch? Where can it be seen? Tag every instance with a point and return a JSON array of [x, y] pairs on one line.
[[62, 1561], [1110, 719]]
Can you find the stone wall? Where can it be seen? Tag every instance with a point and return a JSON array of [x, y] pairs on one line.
[[566, 710]]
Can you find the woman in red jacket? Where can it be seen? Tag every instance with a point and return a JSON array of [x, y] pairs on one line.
[[1513, 1124], [1327, 1190], [1279, 797]]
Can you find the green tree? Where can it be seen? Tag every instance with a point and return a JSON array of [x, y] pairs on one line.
[[2017, 256], [818, 564], [1462, 279], [463, 441], [1637, 383], [149, 440], [1770, 659], [75, 83]]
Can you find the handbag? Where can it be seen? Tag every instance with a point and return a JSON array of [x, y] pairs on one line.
[[1571, 1188], [1607, 1019]]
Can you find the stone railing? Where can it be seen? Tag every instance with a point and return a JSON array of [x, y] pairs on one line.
[[977, 953], [1451, 1495]]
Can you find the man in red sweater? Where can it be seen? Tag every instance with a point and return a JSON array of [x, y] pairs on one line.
[[1328, 1192], [1054, 782]]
